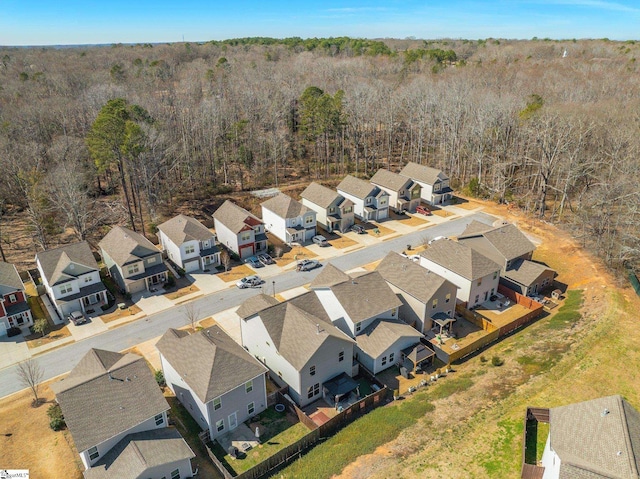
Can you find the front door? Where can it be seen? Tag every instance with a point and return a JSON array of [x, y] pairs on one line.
[[233, 421]]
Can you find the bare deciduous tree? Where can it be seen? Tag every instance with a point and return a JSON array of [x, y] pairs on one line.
[[30, 375], [191, 313]]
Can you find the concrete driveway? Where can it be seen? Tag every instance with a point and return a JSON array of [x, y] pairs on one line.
[[230, 322], [13, 350], [207, 282], [151, 302], [92, 327]]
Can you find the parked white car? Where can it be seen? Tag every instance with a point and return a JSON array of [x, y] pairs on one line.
[[252, 281]]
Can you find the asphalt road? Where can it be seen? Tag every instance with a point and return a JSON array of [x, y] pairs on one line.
[[63, 359]]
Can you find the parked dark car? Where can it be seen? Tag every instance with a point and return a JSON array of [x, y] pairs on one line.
[[358, 229], [254, 262], [265, 259], [77, 317]]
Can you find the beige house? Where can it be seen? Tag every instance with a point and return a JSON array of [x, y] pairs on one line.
[[404, 193], [189, 243], [333, 211], [435, 184]]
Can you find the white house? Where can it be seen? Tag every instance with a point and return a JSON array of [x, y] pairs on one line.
[[434, 183], [475, 275], [116, 413], [14, 308], [298, 343], [288, 219], [189, 243], [218, 382], [404, 193], [133, 261], [239, 231], [370, 203], [333, 211], [71, 278]]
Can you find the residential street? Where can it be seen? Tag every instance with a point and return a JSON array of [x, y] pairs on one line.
[[61, 360]]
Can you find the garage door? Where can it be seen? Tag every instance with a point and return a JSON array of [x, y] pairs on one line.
[[3, 329], [192, 265], [382, 214], [246, 251]]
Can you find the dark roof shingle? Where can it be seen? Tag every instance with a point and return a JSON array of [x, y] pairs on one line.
[[183, 228], [460, 258], [388, 179], [285, 207], [125, 246], [66, 262], [235, 217], [422, 173]]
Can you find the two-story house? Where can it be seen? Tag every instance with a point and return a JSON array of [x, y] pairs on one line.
[[427, 298], [288, 219], [71, 278], [298, 343], [512, 250], [133, 261], [333, 211], [475, 275], [189, 243], [117, 417], [434, 183], [370, 203], [218, 382], [367, 310], [239, 231], [14, 308], [404, 193]]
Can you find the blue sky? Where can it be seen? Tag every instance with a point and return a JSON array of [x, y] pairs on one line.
[[61, 22]]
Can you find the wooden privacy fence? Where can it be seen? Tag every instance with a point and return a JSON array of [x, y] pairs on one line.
[[475, 318]]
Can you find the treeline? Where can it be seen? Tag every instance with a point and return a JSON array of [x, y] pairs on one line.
[[95, 136]]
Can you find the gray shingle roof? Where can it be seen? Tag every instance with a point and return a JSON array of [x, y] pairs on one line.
[[183, 228], [475, 228], [388, 179], [209, 361], [525, 272], [235, 217], [357, 187], [422, 173], [592, 441], [461, 259], [410, 277], [137, 453], [329, 276], [106, 394], [9, 278], [62, 264], [509, 241], [384, 333], [297, 334], [125, 246], [255, 304], [285, 207], [320, 195]]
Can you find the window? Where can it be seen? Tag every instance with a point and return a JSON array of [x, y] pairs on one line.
[[251, 408], [308, 220], [248, 387], [175, 474], [332, 209], [447, 298], [383, 201], [159, 419], [312, 370], [66, 288], [217, 404], [341, 356], [151, 260], [401, 192], [87, 279], [369, 200], [358, 327], [220, 425], [495, 275], [493, 291], [134, 268], [348, 209], [93, 453], [508, 264], [480, 281], [391, 357], [436, 187], [313, 390], [384, 360], [477, 298], [434, 303], [245, 235], [189, 249], [12, 298]]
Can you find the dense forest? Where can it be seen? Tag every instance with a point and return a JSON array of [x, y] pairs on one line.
[[94, 136]]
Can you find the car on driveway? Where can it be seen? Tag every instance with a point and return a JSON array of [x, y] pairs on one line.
[[320, 240], [423, 210], [308, 265], [252, 281], [265, 259], [358, 229], [77, 317], [254, 262]]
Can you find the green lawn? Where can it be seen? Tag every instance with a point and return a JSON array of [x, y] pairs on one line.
[[569, 312], [37, 309]]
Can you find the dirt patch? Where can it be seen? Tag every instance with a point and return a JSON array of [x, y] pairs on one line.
[[27, 442], [442, 213], [236, 273], [416, 220], [207, 322], [295, 254], [379, 231], [192, 288], [58, 332], [121, 313], [342, 242]]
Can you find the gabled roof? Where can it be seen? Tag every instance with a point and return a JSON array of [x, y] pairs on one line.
[[475, 228], [285, 207], [460, 258], [137, 453], [323, 196], [410, 277], [209, 361], [9, 278], [65, 263], [357, 187], [525, 272], [120, 387], [255, 304], [597, 438], [297, 334], [183, 228], [384, 333], [126, 246], [235, 217], [422, 173], [329, 276], [390, 180], [508, 240]]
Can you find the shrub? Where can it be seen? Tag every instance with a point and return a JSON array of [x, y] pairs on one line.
[[56, 419], [497, 361], [160, 378], [483, 359]]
